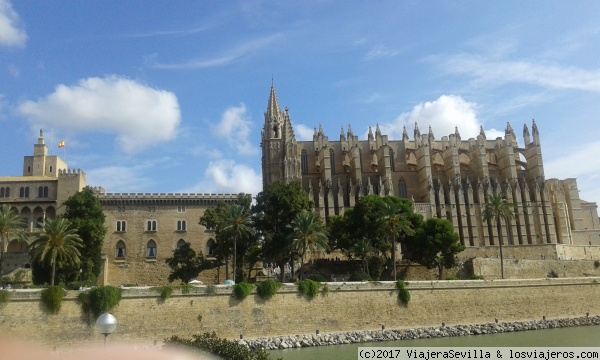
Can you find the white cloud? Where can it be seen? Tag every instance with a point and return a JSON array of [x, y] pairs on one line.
[[380, 52], [235, 127], [228, 177], [13, 70], [11, 32], [140, 116], [443, 115], [118, 179], [240, 51], [488, 72], [303, 132]]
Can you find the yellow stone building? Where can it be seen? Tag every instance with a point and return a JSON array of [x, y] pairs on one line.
[[447, 178], [142, 229]]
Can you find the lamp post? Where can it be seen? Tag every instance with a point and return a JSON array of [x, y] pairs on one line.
[[106, 324]]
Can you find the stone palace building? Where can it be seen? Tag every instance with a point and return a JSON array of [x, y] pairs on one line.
[[143, 228]]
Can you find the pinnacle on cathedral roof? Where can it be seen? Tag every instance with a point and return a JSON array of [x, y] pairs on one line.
[[404, 134], [456, 133], [431, 137], [534, 128]]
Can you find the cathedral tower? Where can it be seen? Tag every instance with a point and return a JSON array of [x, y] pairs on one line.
[[280, 159]]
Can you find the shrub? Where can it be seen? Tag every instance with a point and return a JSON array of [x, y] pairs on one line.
[[360, 276], [317, 277], [597, 264], [4, 297], [99, 300], [52, 296], [211, 289], [242, 290], [325, 290], [186, 288], [165, 291], [225, 349], [451, 277], [309, 288], [266, 289], [403, 294], [552, 274], [477, 277]]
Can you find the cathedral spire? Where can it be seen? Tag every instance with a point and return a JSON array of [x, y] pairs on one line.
[[370, 133], [273, 106], [481, 132], [417, 131], [430, 135], [404, 134], [342, 135]]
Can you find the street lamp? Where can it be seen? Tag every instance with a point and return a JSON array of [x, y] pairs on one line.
[[106, 324]]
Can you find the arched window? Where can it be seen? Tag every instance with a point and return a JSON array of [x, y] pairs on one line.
[[392, 162], [181, 225], [120, 250], [41, 191], [45, 191], [180, 243], [402, 193], [304, 161], [7, 193], [210, 247], [2, 192], [151, 225], [121, 226], [332, 161], [151, 249]]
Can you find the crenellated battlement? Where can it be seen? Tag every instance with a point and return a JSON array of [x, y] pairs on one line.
[[70, 172], [165, 198]]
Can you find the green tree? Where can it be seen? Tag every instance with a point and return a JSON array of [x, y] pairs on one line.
[[185, 264], [376, 220], [308, 234], [57, 241], [363, 250], [276, 207], [238, 225], [434, 245], [84, 211], [497, 209], [396, 224], [11, 225]]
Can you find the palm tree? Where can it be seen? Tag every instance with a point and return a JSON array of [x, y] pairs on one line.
[[237, 223], [57, 241], [363, 250], [498, 209], [395, 224], [308, 234], [11, 224]]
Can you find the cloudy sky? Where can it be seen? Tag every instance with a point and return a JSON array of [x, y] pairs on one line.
[[169, 96]]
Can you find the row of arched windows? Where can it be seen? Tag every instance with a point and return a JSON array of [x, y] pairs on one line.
[[121, 225], [24, 192], [151, 248]]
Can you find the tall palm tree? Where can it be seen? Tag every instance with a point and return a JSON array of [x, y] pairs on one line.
[[11, 225], [57, 241], [498, 209], [395, 224], [237, 223], [308, 234]]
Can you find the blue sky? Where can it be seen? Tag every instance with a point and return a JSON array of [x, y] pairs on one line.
[[169, 96]]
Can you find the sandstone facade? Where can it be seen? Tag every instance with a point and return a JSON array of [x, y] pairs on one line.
[[447, 178]]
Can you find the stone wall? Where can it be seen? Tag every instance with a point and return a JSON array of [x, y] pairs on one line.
[[519, 268], [144, 318]]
